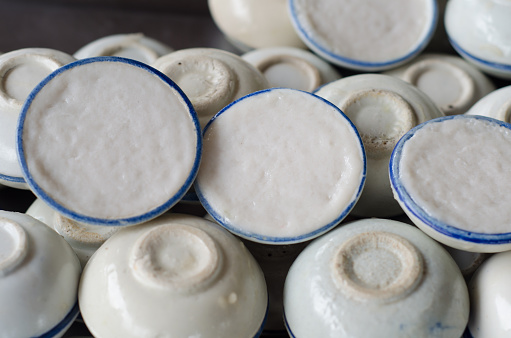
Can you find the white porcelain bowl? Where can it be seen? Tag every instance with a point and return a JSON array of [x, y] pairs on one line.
[[134, 46], [375, 278], [383, 109], [480, 32], [174, 276], [450, 176], [292, 67], [365, 35], [280, 166], [20, 70], [39, 275], [496, 104], [118, 144], [451, 82]]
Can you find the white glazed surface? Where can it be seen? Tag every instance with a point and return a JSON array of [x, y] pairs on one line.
[[134, 46], [377, 199], [41, 212], [365, 35], [490, 297], [255, 23], [89, 142], [280, 145], [115, 302], [456, 198], [496, 104], [39, 292], [292, 67], [211, 78], [480, 31], [315, 306], [451, 82], [20, 70]]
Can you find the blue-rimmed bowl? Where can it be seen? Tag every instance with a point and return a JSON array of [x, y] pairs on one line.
[[256, 171], [156, 85], [442, 217], [328, 28], [39, 277], [479, 31]]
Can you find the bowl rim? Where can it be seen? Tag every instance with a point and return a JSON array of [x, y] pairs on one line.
[[64, 323], [496, 66]]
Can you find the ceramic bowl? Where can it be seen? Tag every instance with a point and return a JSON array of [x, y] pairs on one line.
[[292, 67], [174, 276], [451, 82], [383, 109], [489, 297], [496, 104], [467, 261], [134, 46], [449, 176], [365, 35], [250, 24], [375, 278], [39, 275], [211, 78], [280, 166], [91, 155], [479, 31], [20, 70]]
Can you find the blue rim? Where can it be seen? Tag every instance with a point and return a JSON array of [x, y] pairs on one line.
[[68, 319], [283, 240], [419, 212], [13, 179], [39, 192], [490, 64], [358, 64], [288, 328]]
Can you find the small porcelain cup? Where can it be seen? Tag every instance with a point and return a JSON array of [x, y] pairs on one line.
[[449, 175], [176, 275], [20, 70], [479, 31], [134, 46], [375, 278], [383, 109], [39, 275], [496, 104]]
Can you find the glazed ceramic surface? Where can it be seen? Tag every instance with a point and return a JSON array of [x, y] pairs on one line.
[[252, 24], [496, 104], [39, 275], [292, 67], [383, 109], [135, 46], [20, 70], [175, 276], [365, 35], [450, 176], [280, 145], [102, 166], [479, 30], [451, 82], [211, 78], [375, 278]]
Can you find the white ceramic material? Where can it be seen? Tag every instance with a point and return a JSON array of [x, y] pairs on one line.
[[175, 276], [468, 262], [451, 82], [375, 278], [490, 297], [292, 67], [134, 46], [211, 78], [496, 104], [366, 35], [479, 31], [252, 24], [383, 109], [280, 166], [450, 176], [90, 154], [20, 70], [39, 275]]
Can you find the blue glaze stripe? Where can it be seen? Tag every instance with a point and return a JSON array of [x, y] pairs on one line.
[[490, 64], [419, 212], [13, 179], [69, 318]]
